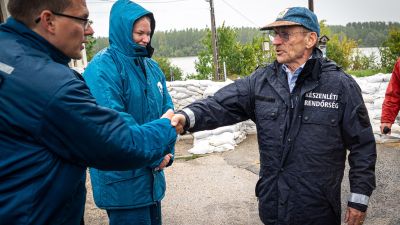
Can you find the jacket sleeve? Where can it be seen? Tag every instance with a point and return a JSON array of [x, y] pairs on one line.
[[230, 105], [359, 139], [82, 132], [167, 104], [391, 104]]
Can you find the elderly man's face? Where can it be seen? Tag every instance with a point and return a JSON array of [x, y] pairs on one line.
[[70, 32], [290, 44]]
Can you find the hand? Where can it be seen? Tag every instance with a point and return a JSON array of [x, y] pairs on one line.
[[383, 125], [165, 162], [168, 114], [178, 121], [354, 216]]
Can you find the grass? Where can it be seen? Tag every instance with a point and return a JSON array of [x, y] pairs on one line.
[[188, 157], [364, 73]]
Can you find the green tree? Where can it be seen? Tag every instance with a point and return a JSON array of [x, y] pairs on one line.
[[339, 48], [240, 59], [168, 69], [89, 46], [390, 49]]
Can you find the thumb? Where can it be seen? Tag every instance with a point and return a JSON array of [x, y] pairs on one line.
[[174, 120]]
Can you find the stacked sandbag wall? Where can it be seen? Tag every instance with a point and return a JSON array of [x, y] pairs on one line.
[[225, 138]]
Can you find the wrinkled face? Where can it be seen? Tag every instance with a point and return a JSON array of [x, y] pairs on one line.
[[70, 32], [290, 44], [142, 31]]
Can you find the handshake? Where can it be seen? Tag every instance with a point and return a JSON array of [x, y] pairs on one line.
[[177, 120]]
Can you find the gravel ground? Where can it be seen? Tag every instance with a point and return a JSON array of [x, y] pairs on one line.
[[218, 189]]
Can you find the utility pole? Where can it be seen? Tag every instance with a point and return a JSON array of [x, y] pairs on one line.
[[214, 40], [311, 5]]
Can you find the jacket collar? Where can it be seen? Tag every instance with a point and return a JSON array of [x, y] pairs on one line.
[[34, 40]]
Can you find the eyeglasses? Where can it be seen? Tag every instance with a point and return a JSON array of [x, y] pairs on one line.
[[86, 22], [285, 36]]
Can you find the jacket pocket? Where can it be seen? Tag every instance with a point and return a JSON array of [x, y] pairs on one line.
[[328, 118], [118, 176], [266, 110]]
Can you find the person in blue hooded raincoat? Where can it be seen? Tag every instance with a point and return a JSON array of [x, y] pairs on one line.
[[125, 78]]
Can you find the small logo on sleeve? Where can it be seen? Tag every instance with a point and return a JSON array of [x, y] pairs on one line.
[[160, 87]]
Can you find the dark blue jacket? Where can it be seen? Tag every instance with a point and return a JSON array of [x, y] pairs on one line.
[[51, 128], [124, 77], [302, 137]]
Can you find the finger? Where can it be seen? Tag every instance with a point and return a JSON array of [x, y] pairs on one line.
[[346, 217], [168, 114], [176, 119], [165, 162], [179, 129]]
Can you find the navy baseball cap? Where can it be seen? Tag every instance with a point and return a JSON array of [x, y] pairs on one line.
[[295, 16]]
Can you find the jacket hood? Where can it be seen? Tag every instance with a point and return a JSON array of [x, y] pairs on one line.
[[124, 14]]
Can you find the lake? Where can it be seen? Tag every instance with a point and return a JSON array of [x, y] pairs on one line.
[[187, 63]]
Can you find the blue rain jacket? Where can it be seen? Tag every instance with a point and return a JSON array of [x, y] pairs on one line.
[[124, 77], [51, 128]]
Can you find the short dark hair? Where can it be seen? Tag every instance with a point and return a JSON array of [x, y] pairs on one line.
[[26, 11]]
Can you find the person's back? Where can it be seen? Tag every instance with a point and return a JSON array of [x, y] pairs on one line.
[[50, 125]]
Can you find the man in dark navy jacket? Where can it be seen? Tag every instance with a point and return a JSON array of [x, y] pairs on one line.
[[51, 128], [307, 112]]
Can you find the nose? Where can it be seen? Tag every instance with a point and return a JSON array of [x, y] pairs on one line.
[[89, 31], [277, 40], [146, 39]]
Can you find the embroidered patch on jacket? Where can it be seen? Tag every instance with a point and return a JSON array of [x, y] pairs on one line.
[[6, 68], [322, 100], [160, 87]]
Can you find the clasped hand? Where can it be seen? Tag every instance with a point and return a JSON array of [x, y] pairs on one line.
[[178, 121]]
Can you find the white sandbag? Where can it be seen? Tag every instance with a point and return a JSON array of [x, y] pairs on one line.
[[224, 138], [181, 95], [378, 103], [202, 134], [371, 88], [195, 89], [231, 128], [178, 83], [203, 148], [211, 90], [378, 78], [368, 98], [239, 136], [224, 148]]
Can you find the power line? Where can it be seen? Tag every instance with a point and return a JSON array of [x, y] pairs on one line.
[[245, 17]]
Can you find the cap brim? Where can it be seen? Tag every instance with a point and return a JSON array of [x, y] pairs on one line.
[[280, 23]]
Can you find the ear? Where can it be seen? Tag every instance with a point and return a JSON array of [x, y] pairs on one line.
[[46, 21], [311, 40]]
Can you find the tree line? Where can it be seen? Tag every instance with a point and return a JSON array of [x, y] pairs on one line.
[[244, 49], [188, 42]]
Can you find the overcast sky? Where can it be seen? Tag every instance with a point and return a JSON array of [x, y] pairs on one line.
[[182, 14]]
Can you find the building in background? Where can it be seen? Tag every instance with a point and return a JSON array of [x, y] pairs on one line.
[[78, 65], [3, 10]]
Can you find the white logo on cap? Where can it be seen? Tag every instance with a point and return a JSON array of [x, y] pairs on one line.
[[282, 14]]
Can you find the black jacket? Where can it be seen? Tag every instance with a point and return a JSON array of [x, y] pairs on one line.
[[302, 137]]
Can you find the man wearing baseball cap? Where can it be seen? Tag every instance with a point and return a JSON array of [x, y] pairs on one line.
[[308, 112]]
